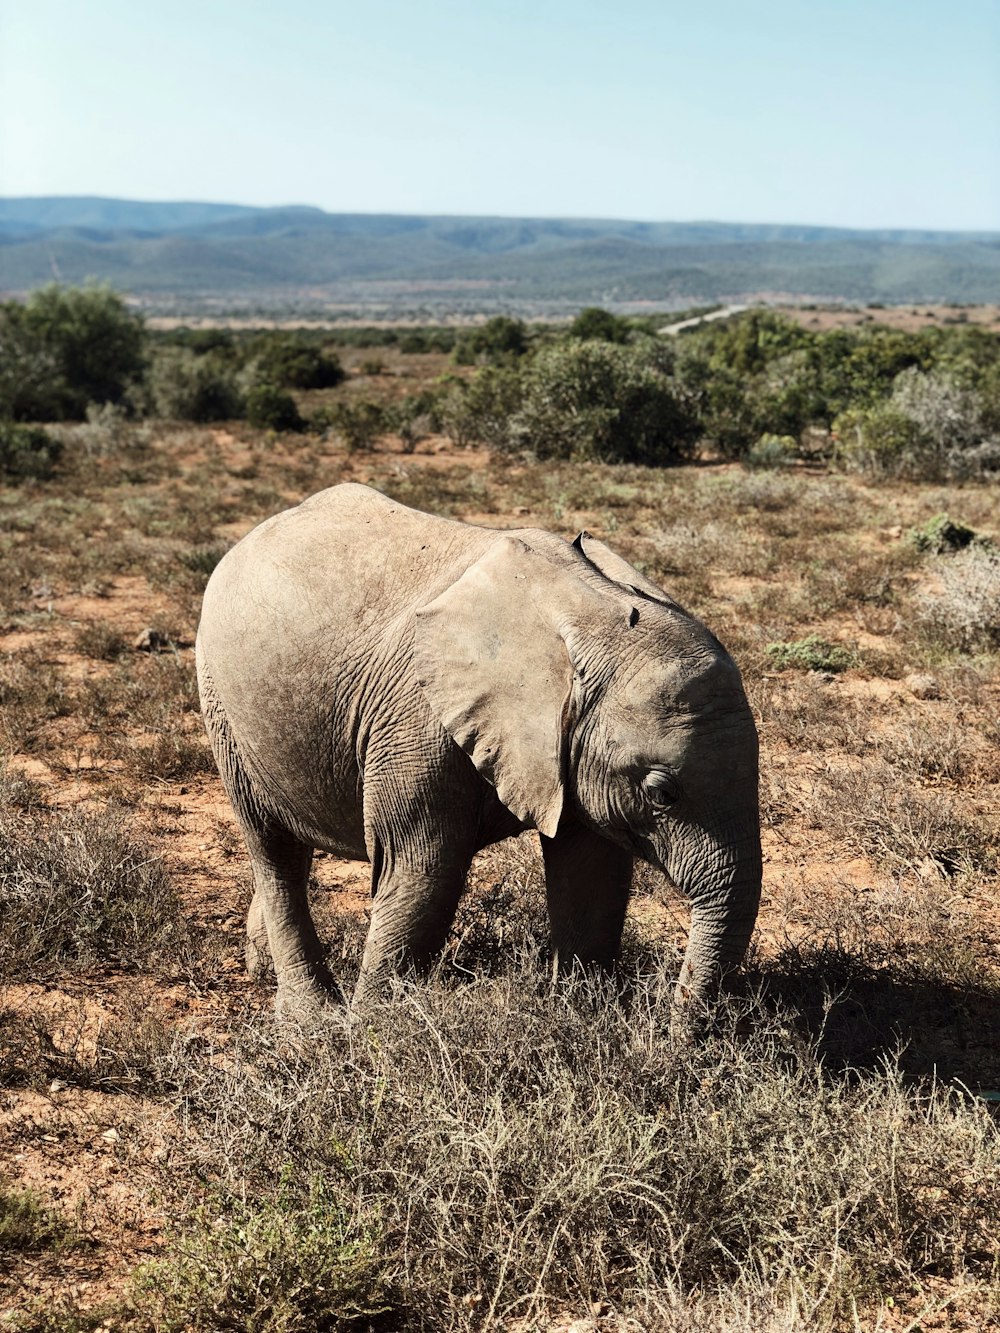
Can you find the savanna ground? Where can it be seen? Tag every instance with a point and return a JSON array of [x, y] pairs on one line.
[[490, 1150]]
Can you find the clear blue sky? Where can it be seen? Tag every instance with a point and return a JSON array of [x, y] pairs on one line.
[[853, 112]]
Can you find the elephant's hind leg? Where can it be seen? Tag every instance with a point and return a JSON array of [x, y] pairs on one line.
[[279, 922], [280, 915], [258, 951]]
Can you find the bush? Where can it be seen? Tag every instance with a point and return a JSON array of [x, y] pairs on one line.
[[482, 410], [67, 347], [427, 340], [358, 424], [500, 341], [271, 408], [940, 534], [882, 441], [929, 427], [189, 387], [78, 890], [595, 401], [948, 413], [27, 453], [496, 1150], [594, 324], [294, 1263], [964, 612], [293, 363], [27, 1224], [771, 451]]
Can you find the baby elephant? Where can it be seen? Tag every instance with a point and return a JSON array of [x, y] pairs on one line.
[[404, 689]]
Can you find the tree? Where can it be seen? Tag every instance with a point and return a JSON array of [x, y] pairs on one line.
[[594, 400], [67, 347], [593, 324], [292, 363], [271, 408]]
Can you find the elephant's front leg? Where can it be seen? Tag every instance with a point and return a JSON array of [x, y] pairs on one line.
[[412, 912], [587, 883]]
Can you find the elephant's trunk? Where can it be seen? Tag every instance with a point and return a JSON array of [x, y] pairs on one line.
[[723, 914]]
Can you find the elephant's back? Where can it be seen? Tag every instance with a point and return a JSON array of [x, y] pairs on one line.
[[347, 552]]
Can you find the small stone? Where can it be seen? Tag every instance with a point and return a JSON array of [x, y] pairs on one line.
[[57, 1085], [151, 641], [111, 1135], [922, 685]]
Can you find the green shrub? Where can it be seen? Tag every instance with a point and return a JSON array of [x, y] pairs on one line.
[[293, 363], [500, 341], [358, 424], [27, 453], [295, 1262], [595, 324], [810, 654], [929, 427], [940, 534], [427, 340], [66, 347], [882, 441], [26, 1224], [771, 451], [595, 400], [271, 408], [413, 417], [481, 410], [188, 387]]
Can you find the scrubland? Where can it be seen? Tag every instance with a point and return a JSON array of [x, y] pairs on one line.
[[489, 1149]]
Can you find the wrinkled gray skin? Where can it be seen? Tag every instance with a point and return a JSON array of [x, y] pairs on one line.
[[404, 689]]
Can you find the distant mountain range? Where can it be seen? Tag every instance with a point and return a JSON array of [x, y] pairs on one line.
[[186, 255]]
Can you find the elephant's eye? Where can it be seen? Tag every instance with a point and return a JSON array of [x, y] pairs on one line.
[[661, 787]]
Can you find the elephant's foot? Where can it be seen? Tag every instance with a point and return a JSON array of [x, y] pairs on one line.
[[308, 992]]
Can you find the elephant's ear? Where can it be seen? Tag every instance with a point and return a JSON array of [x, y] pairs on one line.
[[619, 571], [496, 671]]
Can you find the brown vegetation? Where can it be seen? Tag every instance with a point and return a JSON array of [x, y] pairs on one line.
[[490, 1151]]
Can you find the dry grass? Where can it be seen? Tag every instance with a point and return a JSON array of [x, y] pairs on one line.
[[79, 891], [482, 1152], [488, 1150]]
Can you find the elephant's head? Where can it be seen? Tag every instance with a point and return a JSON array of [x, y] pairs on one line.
[[580, 690]]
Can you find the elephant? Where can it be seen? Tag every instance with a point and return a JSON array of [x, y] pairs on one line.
[[405, 689]]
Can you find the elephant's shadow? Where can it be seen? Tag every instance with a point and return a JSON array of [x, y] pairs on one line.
[[859, 1011], [862, 1014]]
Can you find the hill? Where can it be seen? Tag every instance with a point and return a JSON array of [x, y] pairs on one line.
[[184, 253]]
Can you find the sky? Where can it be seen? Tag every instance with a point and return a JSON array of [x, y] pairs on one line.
[[856, 113]]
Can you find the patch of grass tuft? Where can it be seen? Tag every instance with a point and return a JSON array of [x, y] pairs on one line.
[[810, 654], [201, 560], [101, 641], [78, 890], [27, 1224], [963, 613], [294, 1261]]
